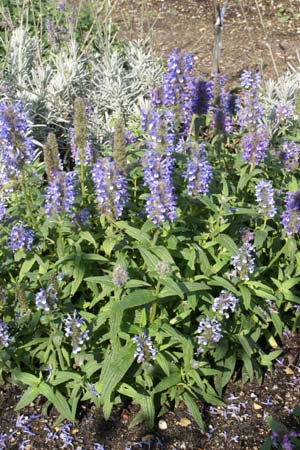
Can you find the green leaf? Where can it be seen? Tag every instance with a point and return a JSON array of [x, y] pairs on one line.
[[26, 266], [79, 272], [108, 245], [91, 367], [61, 376], [136, 283], [296, 411], [228, 243], [87, 236], [194, 410], [172, 380], [115, 366], [267, 359], [172, 288], [246, 294], [267, 444], [276, 426], [163, 254], [140, 297], [151, 260], [248, 365], [135, 233], [93, 257], [28, 397], [170, 331], [277, 323], [245, 344], [146, 413], [260, 237], [103, 280], [204, 263], [27, 378], [58, 400], [219, 281], [163, 363]]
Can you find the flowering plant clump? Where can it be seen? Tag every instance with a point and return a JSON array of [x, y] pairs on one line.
[[154, 266]]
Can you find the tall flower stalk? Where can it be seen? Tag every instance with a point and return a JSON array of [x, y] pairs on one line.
[[80, 144], [17, 151], [255, 141], [110, 188]]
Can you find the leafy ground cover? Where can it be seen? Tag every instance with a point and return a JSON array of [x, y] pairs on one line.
[[150, 271]]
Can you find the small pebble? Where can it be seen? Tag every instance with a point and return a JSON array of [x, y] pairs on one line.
[[162, 425]]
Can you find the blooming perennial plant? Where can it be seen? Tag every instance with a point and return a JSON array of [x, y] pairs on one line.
[[145, 237]]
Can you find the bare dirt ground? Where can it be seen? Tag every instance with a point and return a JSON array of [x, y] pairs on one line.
[[256, 33]]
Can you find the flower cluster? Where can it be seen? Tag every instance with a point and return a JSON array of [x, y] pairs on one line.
[[119, 275], [161, 131], [21, 237], [45, 297], [198, 173], [284, 110], [224, 303], [144, 348], [220, 106], [178, 86], [75, 151], [17, 150], [290, 155], [4, 336], [290, 218], [265, 198], [243, 262], [210, 333], [61, 193], [283, 439], [162, 269], [3, 207], [160, 204], [255, 145], [203, 94], [110, 188], [255, 141], [73, 326]]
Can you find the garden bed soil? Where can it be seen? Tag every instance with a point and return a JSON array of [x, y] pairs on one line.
[[256, 34], [241, 425]]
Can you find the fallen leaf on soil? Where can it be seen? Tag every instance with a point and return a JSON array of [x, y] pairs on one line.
[[184, 422], [256, 406]]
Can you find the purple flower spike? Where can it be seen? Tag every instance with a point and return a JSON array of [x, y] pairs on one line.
[[160, 204], [265, 198], [144, 348], [255, 146], [210, 333], [221, 106], [255, 141], [290, 218], [21, 237], [198, 173], [17, 149], [290, 154], [110, 188], [61, 194], [224, 303], [73, 326], [4, 336], [243, 262], [179, 85], [88, 154]]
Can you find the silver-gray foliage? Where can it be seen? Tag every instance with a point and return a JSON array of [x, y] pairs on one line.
[[112, 79]]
